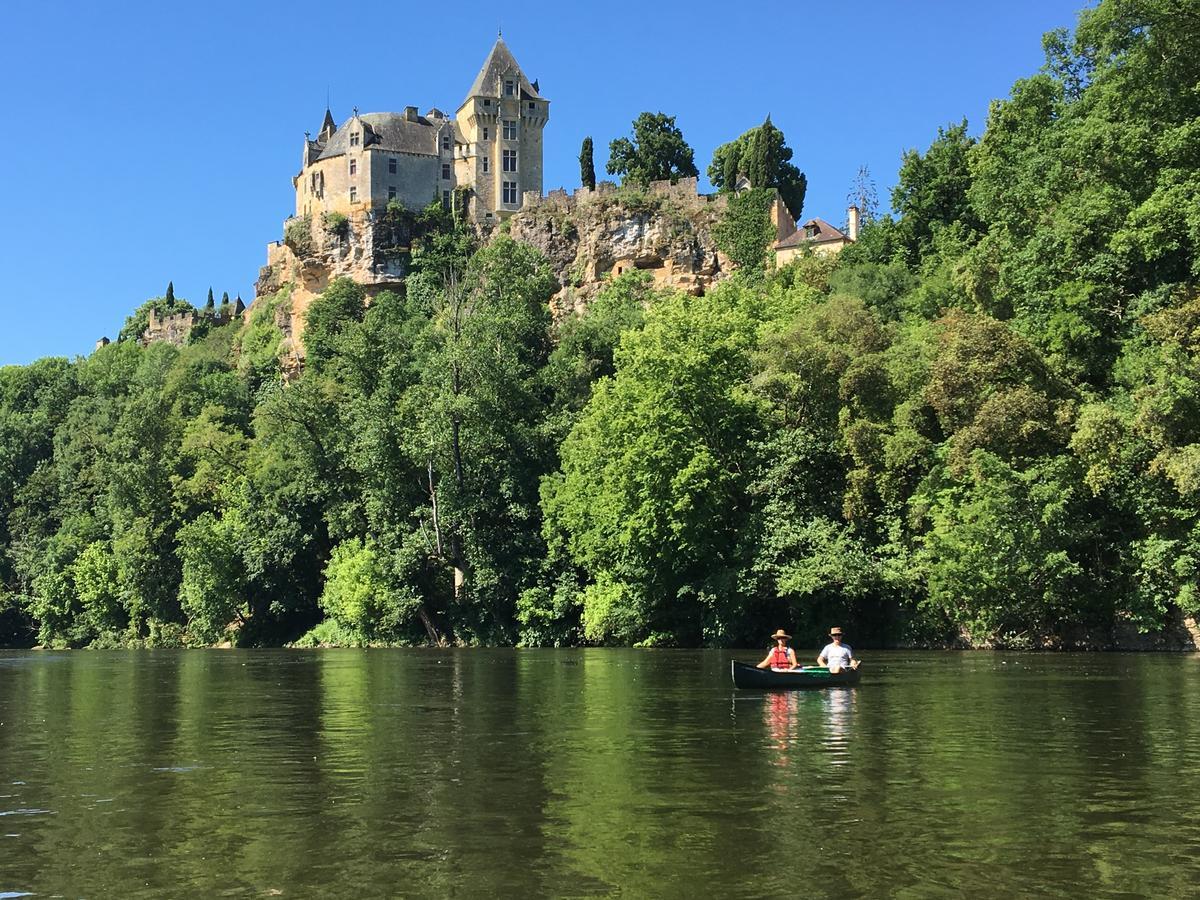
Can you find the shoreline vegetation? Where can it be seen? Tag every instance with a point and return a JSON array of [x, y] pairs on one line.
[[977, 426]]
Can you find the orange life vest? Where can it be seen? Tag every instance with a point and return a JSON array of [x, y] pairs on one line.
[[779, 658]]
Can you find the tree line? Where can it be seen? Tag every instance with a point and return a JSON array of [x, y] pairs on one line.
[[979, 422]]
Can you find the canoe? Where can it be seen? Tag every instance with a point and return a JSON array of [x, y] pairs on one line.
[[747, 676]]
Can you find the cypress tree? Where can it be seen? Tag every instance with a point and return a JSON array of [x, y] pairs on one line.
[[755, 162], [210, 304], [733, 162], [170, 298], [587, 170], [225, 298]]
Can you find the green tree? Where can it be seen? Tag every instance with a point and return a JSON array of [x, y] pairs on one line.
[[762, 155], [657, 152], [587, 168], [652, 490]]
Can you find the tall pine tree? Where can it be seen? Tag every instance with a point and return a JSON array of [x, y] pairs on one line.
[[587, 169]]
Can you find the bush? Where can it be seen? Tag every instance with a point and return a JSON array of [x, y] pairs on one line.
[[297, 234], [336, 224]]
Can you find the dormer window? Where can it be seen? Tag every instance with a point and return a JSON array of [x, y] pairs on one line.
[[810, 231], [510, 88], [354, 139]]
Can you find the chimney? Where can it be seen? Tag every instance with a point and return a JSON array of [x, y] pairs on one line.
[[410, 113], [852, 223]]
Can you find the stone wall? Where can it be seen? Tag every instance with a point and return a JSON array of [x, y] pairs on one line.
[[174, 329]]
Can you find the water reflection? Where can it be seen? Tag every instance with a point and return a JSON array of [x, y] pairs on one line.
[[539, 773], [838, 705]]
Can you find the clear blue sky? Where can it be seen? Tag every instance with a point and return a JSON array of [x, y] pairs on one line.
[[148, 142]]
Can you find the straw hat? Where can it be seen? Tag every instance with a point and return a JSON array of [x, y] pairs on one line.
[[779, 634]]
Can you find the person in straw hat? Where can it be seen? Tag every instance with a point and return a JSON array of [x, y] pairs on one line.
[[781, 656], [837, 655]]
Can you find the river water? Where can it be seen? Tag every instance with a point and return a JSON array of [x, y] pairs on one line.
[[592, 772]]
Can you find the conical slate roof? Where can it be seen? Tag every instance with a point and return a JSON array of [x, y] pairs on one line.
[[499, 62], [328, 125]]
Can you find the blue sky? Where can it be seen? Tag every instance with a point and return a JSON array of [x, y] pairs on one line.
[[155, 142]]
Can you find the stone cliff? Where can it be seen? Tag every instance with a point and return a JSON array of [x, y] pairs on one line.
[[589, 236], [370, 248]]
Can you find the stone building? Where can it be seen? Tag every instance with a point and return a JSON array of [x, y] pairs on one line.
[[489, 153]]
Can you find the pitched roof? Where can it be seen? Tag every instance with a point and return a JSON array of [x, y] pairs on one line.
[[386, 131], [823, 233], [500, 61]]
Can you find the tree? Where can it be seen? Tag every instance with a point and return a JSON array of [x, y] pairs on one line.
[[657, 152], [932, 190], [864, 197], [587, 169], [652, 490], [225, 298], [170, 295], [765, 159], [210, 303]]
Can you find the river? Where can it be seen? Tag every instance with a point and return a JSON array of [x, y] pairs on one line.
[[464, 773]]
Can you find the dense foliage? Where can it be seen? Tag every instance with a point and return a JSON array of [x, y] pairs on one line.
[[762, 156], [980, 422]]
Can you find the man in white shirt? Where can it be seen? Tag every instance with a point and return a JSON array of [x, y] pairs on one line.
[[837, 655]]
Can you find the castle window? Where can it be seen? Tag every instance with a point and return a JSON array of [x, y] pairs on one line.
[[446, 141], [487, 167], [354, 139], [353, 167], [510, 193], [487, 102], [391, 193], [510, 129], [392, 165], [510, 88], [446, 171], [353, 194], [446, 200], [485, 134], [531, 106], [509, 161]]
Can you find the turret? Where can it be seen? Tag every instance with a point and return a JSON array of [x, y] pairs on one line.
[[328, 127], [501, 121]]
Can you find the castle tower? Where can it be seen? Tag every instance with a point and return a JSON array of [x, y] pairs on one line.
[[499, 128]]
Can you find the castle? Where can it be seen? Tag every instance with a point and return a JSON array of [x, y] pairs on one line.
[[485, 157]]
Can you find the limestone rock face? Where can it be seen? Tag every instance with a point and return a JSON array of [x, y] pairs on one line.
[[365, 246], [593, 235]]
